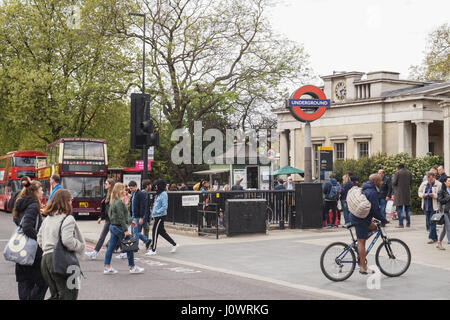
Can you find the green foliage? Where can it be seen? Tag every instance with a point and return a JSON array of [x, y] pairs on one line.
[[436, 63], [364, 167]]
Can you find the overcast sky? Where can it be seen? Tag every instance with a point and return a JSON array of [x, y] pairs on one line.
[[360, 35]]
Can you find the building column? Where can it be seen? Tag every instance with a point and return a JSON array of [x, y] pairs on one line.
[[292, 148], [404, 137], [284, 149], [422, 137], [446, 113]]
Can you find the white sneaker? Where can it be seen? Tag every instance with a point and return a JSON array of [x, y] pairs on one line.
[[91, 254], [150, 252], [174, 248], [111, 270], [137, 269], [122, 255]]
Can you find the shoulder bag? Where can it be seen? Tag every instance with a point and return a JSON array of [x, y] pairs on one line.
[[20, 248], [438, 218], [63, 258]]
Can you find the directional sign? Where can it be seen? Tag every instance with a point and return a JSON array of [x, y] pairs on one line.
[[318, 105]]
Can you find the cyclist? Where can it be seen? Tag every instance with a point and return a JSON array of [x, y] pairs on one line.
[[363, 226]]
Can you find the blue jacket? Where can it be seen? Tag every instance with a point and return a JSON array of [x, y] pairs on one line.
[[58, 186], [371, 193], [327, 186], [160, 206]]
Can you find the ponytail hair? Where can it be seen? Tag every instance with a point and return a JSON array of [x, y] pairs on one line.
[[29, 190]]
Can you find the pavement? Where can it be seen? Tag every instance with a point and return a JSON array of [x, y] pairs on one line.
[[279, 265], [290, 258]]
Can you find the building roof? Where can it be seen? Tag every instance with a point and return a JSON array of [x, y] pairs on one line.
[[421, 89]]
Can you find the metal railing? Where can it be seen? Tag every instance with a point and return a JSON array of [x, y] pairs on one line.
[[280, 204]]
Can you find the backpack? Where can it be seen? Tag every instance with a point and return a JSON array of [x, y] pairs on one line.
[[334, 193], [357, 203]]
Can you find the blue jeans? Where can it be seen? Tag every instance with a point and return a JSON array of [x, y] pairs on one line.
[[400, 215], [345, 210], [116, 235], [136, 232], [433, 233], [382, 204]]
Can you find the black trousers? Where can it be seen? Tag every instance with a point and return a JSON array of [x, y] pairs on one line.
[[103, 235], [158, 229], [327, 205], [32, 290]]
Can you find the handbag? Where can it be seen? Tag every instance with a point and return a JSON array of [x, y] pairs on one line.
[[20, 248], [129, 245], [63, 258], [389, 207], [438, 218]]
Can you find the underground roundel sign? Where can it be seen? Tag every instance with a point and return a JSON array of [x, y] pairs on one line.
[[307, 110]]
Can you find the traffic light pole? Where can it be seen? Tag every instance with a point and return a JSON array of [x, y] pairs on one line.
[[145, 147]]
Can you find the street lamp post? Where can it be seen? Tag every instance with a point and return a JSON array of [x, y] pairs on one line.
[[145, 148]]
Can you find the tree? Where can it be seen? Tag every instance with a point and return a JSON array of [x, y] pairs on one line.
[[59, 79], [436, 64], [210, 58]]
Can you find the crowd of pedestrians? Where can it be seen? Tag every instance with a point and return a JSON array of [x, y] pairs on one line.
[[434, 193]]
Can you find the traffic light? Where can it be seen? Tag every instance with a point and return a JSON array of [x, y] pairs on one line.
[[139, 115], [142, 127]]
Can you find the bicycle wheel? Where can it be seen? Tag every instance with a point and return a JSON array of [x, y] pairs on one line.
[[336, 263], [393, 257]]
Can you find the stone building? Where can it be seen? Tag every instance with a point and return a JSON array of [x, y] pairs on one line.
[[372, 113]]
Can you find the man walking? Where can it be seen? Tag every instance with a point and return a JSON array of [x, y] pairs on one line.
[[332, 191], [385, 192], [55, 181], [428, 192], [147, 188], [442, 175], [138, 212], [401, 181]]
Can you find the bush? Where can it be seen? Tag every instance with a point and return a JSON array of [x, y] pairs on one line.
[[364, 167]]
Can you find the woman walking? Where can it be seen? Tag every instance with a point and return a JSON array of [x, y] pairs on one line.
[[120, 220], [109, 185], [26, 212], [159, 213], [59, 217], [444, 200]]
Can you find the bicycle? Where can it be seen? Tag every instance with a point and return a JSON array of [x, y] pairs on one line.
[[338, 255]]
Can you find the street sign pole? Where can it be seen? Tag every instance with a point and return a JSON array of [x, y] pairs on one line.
[[308, 160]]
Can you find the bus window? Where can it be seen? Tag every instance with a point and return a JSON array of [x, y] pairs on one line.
[[13, 186], [2, 188], [84, 187], [93, 151], [73, 150], [24, 161], [94, 187]]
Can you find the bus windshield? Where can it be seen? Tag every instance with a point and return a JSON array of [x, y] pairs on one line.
[[78, 150], [84, 188], [24, 161]]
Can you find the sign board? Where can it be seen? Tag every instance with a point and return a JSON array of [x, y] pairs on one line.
[[271, 154], [151, 153], [307, 110], [190, 201], [325, 162], [240, 174], [2, 175], [140, 165], [129, 177]]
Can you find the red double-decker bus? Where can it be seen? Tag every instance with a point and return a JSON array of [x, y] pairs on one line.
[[82, 164], [13, 166]]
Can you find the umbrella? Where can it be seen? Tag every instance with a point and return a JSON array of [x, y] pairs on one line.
[[288, 170]]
